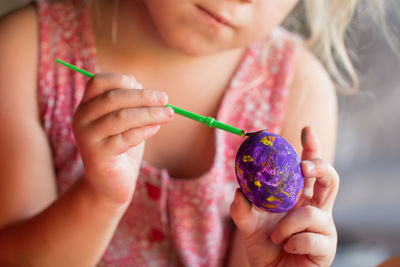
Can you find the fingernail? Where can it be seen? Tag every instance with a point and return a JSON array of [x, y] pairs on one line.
[[244, 196], [309, 165], [161, 97], [134, 83], [131, 80], [169, 112], [304, 136]]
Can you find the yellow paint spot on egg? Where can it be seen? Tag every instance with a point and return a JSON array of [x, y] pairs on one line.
[[271, 198], [247, 158], [239, 170], [268, 140], [299, 194], [269, 206], [257, 183], [283, 190]]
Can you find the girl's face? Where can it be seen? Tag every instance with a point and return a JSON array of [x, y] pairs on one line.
[[198, 27]]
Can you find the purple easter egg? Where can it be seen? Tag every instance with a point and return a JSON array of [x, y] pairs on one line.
[[268, 172]]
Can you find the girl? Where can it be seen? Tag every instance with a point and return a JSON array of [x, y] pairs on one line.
[[80, 187]]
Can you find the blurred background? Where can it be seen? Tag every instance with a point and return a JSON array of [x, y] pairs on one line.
[[367, 210]]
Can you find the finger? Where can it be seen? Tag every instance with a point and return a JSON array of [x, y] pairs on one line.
[[326, 184], [118, 99], [303, 219], [123, 120], [311, 244], [311, 149], [307, 194], [102, 82], [120, 143], [241, 212], [310, 143]]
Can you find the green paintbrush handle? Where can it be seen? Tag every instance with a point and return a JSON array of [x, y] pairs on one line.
[[75, 68], [210, 122]]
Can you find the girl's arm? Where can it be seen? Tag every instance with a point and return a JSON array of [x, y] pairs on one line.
[[312, 102], [35, 228]]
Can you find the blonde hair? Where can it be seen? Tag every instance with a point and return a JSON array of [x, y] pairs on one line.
[[324, 24]]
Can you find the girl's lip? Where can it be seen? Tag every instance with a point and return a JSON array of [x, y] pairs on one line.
[[216, 17]]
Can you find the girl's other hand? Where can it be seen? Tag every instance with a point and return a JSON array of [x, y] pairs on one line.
[[304, 236], [110, 125]]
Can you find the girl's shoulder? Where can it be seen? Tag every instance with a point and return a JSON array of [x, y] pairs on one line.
[[20, 19], [19, 53], [61, 15], [19, 44]]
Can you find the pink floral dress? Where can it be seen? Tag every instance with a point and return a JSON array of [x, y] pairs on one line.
[[170, 222]]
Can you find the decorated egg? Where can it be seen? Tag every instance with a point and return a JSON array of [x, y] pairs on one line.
[[268, 172]]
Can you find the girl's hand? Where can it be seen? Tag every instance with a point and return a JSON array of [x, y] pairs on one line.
[[110, 125], [305, 235]]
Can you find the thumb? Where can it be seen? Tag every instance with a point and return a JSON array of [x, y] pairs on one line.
[[310, 143], [255, 227], [240, 210]]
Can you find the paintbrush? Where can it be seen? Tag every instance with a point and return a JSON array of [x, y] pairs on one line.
[[210, 122]]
